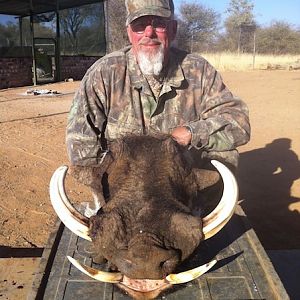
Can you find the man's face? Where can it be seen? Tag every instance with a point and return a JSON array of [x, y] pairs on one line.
[[151, 37]]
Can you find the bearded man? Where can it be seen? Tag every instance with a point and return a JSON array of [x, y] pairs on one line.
[[152, 87]]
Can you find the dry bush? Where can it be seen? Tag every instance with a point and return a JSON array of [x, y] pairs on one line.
[[233, 62]]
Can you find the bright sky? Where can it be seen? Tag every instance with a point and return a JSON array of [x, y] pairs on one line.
[[265, 10]]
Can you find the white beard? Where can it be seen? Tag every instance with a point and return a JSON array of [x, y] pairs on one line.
[[151, 63]]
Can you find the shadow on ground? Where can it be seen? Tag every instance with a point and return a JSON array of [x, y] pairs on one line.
[[11, 252], [287, 266], [265, 178]]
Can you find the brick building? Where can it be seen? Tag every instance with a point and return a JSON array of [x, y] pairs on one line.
[[46, 61]]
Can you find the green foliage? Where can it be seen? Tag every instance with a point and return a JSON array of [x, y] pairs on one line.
[[197, 26], [10, 33], [82, 30], [240, 12], [278, 38], [240, 25]]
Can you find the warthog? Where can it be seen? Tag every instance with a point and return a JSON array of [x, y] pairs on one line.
[[146, 227]]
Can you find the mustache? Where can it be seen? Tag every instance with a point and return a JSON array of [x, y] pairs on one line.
[[147, 41]]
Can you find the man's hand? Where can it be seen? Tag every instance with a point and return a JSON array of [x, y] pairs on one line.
[[182, 135]]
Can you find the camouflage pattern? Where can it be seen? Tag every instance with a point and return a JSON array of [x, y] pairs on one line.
[[115, 99], [139, 8]]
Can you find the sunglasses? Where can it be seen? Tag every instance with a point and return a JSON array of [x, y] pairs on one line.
[[159, 25]]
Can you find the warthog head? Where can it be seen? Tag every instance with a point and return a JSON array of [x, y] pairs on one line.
[[146, 228]]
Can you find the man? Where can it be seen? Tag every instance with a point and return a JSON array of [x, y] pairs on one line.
[[151, 87]]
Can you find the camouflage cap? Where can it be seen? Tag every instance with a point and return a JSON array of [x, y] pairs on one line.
[[139, 8]]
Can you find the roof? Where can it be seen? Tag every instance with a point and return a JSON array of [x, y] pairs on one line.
[[22, 7]]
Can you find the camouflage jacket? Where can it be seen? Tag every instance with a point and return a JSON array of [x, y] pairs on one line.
[[114, 99]]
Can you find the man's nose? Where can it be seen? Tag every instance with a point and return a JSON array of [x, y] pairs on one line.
[[149, 31]]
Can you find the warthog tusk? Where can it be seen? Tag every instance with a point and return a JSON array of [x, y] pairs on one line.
[[218, 218], [102, 276], [72, 219], [190, 275], [117, 277]]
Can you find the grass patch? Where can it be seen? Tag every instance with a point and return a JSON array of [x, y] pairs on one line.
[[225, 61]]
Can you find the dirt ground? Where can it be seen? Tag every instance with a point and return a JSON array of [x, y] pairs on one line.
[[32, 146]]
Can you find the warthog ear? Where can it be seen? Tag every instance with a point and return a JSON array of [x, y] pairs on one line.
[[170, 145], [86, 174], [205, 178], [186, 233], [108, 233], [89, 175]]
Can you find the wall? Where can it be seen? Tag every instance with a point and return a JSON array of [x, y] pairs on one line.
[[15, 72], [75, 66]]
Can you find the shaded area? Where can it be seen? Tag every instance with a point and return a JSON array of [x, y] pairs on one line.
[[209, 249], [266, 176], [11, 252], [287, 265]]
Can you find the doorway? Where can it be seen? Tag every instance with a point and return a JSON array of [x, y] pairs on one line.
[[45, 63]]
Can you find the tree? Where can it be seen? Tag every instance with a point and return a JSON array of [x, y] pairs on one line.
[[241, 11], [278, 38], [83, 30], [197, 26], [240, 25], [117, 34], [10, 33], [71, 21], [92, 39]]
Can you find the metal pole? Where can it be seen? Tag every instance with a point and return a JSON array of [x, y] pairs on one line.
[[57, 48], [21, 30], [32, 44], [239, 41], [254, 49]]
